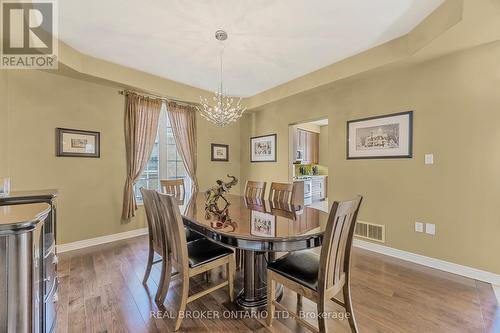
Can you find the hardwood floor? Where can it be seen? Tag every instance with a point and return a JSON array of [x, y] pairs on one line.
[[101, 291]]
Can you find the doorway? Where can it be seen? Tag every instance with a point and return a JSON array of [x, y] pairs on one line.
[[308, 160]]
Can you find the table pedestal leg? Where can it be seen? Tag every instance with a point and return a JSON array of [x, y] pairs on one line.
[[253, 297]]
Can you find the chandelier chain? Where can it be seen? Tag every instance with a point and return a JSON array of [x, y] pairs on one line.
[[224, 110]]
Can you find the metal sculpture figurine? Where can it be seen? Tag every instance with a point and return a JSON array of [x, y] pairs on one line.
[[212, 196]]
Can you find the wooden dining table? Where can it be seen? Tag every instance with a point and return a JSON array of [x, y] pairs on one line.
[[261, 229]]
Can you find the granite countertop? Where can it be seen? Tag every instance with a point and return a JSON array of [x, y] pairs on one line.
[[20, 216]]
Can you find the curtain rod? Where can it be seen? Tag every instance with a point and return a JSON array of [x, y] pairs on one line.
[[166, 99]]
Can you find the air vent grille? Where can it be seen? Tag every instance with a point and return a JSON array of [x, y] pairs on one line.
[[370, 231]]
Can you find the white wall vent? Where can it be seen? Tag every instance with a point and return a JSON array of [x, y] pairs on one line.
[[375, 232]]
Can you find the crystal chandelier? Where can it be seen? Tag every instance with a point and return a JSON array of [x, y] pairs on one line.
[[225, 109]]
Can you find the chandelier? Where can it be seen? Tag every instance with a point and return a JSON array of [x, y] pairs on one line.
[[225, 109]]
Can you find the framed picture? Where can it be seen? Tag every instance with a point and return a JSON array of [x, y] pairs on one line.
[[388, 136], [219, 152], [77, 143], [263, 148], [263, 224]]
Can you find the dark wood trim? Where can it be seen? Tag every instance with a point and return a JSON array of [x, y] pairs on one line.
[[59, 147], [410, 141], [220, 145], [275, 144]]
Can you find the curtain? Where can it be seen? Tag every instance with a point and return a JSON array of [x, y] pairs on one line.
[[183, 122], [141, 126]]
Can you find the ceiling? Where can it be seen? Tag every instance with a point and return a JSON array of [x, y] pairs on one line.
[[270, 42]]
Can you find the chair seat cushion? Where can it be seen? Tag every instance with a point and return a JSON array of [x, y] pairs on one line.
[[203, 251], [192, 235], [300, 266]]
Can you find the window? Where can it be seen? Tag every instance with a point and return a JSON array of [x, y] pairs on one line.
[[165, 161]]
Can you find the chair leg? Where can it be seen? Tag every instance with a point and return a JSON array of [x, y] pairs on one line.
[[184, 297], [164, 268], [231, 268], [271, 293], [348, 307], [164, 283], [323, 328], [151, 256]]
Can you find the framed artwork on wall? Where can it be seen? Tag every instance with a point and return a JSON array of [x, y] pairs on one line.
[[77, 143], [219, 152], [387, 136], [263, 148], [263, 224]]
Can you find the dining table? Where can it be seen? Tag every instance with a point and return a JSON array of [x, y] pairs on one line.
[[260, 229]]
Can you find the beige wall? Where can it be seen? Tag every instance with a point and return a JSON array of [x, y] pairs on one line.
[[209, 172], [324, 152], [3, 123], [90, 189], [456, 100]]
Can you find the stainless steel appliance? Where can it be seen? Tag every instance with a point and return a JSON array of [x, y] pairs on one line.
[[299, 155]]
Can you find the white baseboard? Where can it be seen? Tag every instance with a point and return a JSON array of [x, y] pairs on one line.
[[100, 240], [446, 266]]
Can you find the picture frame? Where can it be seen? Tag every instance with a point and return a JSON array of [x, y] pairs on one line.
[[219, 152], [380, 137], [77, 143], [263, 148], [262, 224]]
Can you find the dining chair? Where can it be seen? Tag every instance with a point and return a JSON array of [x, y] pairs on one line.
[[255, 189], [319, 277], [281, 192], [157, 236], [190, 259], [156, 233], [174, 187]]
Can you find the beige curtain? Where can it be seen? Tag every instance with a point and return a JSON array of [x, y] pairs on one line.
[[141, 126], [183, 122]]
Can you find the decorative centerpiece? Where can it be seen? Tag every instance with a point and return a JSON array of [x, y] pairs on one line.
[[213, 196]]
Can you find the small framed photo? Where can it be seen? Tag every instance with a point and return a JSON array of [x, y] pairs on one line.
[[77, 143], [219, 152], [388, 136], [263, 148], [263, 224]]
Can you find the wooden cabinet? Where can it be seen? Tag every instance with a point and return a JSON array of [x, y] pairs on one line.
[[308, 144]]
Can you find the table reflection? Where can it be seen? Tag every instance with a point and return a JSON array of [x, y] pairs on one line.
[[255, 218]]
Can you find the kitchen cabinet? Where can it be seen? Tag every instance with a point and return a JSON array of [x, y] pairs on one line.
[[308, 145], [319, 188]]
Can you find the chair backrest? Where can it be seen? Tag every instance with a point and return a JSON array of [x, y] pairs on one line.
[[281, 192], [170, 216], [255, 189], [174, 187], [157, 233], [335, 257]]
